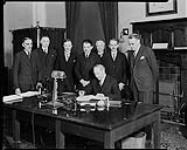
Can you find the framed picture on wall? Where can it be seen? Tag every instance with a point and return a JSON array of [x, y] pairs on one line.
[[159, 8]]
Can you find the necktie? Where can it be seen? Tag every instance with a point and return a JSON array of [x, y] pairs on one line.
[[113, 56], [29, 55], [67, 56], [131, 57], [45, 51]]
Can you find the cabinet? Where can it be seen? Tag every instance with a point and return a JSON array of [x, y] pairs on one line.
[[173, 32]]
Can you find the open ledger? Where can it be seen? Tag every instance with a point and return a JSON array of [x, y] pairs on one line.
[[92, 100]]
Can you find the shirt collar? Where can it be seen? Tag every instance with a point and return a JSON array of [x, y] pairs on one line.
[[26, 52], [45, 50], [102, 80], [136, 52], [88, 55]]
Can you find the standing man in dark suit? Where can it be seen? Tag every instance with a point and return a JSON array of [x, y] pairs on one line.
[[44, 62], [144, 70], [45, 58], [103, 83], [23, 70], [66, 62], [116, 65], [84, 65]]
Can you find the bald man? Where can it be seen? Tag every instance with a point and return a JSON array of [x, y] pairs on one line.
[[103, 84]]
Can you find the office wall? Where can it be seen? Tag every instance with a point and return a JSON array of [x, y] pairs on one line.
[[19, 15], [16, 15], [55, 12], [136, 12]]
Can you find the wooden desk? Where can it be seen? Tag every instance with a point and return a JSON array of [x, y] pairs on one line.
[[103, 126]]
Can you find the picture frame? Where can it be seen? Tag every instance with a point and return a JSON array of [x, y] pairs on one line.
[[161, 8]]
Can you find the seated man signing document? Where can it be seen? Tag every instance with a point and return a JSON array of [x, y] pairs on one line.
[[104, 84]]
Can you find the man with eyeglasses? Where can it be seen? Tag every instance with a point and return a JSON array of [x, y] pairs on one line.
[[23, 70]]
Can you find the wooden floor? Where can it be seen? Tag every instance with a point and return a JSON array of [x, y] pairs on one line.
[[171, 138]]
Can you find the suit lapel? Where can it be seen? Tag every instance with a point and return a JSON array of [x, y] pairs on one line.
[[138, 55], [26, 58], [105, 83]]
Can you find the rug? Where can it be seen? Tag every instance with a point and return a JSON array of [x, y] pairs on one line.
[[171, 138]]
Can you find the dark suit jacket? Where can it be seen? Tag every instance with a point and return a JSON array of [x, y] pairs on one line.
[[109, 88], [104, 55], [84, 66], [145, 71], [23, 72], [44, 63], [67, 67], [118, 68]]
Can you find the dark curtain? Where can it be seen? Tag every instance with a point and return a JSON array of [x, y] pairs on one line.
[[72, 13], [56, 36], [93, 20], [109, 16]]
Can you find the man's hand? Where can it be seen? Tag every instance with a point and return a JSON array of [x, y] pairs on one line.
[[18, 91], [84, 82], [38, 85], [121, 86]]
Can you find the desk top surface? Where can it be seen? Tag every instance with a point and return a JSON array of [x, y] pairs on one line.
[[106, 119]]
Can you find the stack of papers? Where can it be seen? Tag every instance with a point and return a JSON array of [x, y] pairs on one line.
[[12, 99], [87, 98], [30, 93], [115, 103], [18, 98]]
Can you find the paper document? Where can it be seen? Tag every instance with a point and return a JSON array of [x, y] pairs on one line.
[[12, 98], [17, 98], [87, 98], [30, 93]]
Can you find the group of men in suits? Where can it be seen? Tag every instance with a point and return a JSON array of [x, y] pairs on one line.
[[98, 69], [32, 68]]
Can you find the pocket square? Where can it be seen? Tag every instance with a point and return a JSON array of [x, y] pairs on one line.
[[142, 57]]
